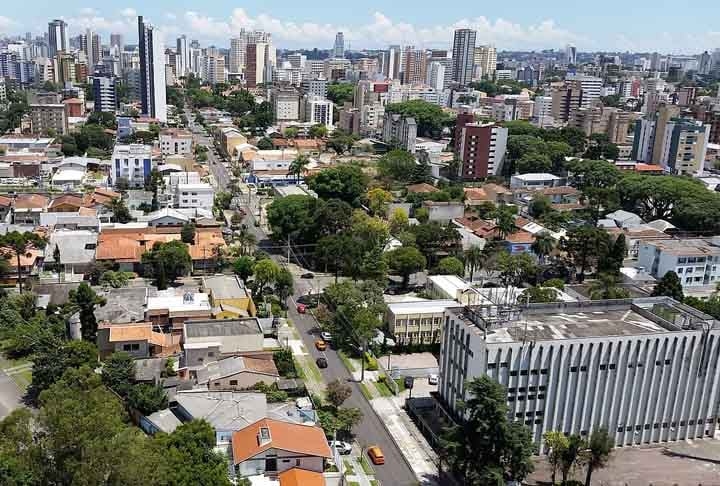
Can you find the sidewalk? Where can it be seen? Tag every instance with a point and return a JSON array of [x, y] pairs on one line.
[[355, 474]]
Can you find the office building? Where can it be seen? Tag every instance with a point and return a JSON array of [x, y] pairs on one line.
[[400, 131], [414, 66], [238, 48], [259, 61], [349, 120], [696, 261], [480, 147], [57, 38], [315, 86], [589, 86], [105, 93], [182, 57], [463, 55], [48, 119], [683, 147], [339, 46], [286, 105], [318, 111], [152, 72], [436, 76], [391, 62], [565, 99], [542, 112], [116, 40], [91, 46], [132, 163], [570, 55], [645, 369], [610, 121], [417, 322], [196, 195], [213, 71], [485, 62]]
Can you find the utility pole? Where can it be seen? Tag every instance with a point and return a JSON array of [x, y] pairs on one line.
[[288, 250]]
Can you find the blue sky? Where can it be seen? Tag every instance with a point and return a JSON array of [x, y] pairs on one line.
[[611, 25]]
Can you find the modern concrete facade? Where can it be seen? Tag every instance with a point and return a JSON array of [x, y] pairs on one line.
[[696, 261], [646, 369], [479, 146], [400, 130], [152, 72], [463, 55]]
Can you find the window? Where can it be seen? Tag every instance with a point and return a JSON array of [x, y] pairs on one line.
[[513, 373], [583, 368], [503, 365], [603, 367], [211, 353], [233, 382], [492, 366], [533, 372], [612, 366], [647, 427], [544, 371], [523, 372], [573, 369]]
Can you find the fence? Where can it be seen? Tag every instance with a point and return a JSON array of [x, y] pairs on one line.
[[390, 382]]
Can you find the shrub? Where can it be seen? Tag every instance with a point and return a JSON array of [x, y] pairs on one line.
[[371, 363]]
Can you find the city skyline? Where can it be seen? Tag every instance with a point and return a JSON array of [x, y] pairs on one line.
[[529, 28]]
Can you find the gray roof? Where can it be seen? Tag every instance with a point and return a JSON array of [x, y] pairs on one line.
[[58, 293], [164, 420], [123, 305], [75, 246], [224, 410], [228, 367], [149, 369], [225, 287], [224, 327]]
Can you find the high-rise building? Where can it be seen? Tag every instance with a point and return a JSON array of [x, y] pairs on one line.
[[590, 86], [391, 62], [339, 47], [152, 72], [400, 130], [57, 39], [116, 40], [315, 86], [259, 60], [182, 57], [463, 55], [414, 66], [436, 75], [485, 61], [105, 94], [91, 46], [214, 70], [704, 63], [48, 118], [286, 105], [238, 48], [318, 111], [480, 147], [570, 55]]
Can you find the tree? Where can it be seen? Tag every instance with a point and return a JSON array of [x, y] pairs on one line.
[[378, 201], [485, 448], [266, 272], [430, 117], [187, 233], [584, 245], [318, 131], [114, 279], [118, 373], [340, 93], [606, 287], [612, 259], [539, 205], [265, 144], [669, 286], [290, 132], [543, 245], [243, 267], [556, 443], [53, 358], [345, 182], [474, 257], [293, 218], [165, 262], [405, 261], [397, 164], [537, 294], [121, 213], [534, 162], [337, 392], [514, 269], [57, 260], [599, 446], [505, 220], [572, 455], [348, 418], [17, 244], [341, 141], [147, 398], [399, 221], [85, 298], [298, 166], [450, 266], [284, 284]]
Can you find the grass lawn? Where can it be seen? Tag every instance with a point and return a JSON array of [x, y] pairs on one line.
[[349, 470], [374, 482], [365, 391], [366, 466], [353, 483], [346, 361], [299, 369], [382, 389], [401, 384]]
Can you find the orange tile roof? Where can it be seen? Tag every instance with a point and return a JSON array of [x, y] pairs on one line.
[[5, 201], [100, 196], [134, 332], [301, 477], [520, 237], [648, 168], [87, 212], [497, 188], [475, 193], [301, 439], [66, 199], [128, 245], [26, 259], [260, 365], [307, 143], [31, 201]]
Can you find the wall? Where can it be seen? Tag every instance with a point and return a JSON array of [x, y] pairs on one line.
[[243, 381], [285, 460]]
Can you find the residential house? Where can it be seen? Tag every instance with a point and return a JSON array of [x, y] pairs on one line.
[[6, 205], [67, 203], [28, 207], [236, 373], [170, 308], [444, 212], [160, 421], [696, 261], [139, 340], [76, 250], [229, 297], [535, 180], [301, 477], [452, 287], [165, 217], [422, 188], [270, 447], [124, 305], [209, 340]]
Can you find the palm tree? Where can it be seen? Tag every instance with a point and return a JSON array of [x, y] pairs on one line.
[[598, 452], [505, 222], [606, 287], [543, 245], [19, 244], [246, 240], [473, 259], [297, 166]]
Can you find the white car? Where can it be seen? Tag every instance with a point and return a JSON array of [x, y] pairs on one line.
[[432, 379], [326, 336], [342, 447]]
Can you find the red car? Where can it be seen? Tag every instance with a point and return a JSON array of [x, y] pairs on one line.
[[301, 308]]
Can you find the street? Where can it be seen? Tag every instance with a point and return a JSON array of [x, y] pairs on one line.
[[10, 395], [214, 163]]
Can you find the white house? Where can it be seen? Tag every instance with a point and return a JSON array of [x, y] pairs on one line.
[[200, 195]]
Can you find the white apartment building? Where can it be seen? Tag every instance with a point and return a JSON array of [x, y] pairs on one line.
[[436, 75], [646, 369], [176, 142], [318, 111], [535, 181], [417, 322], [286, 105], [696, 261], [590, 85], [195, 195], [400, 130], [542, 112], [371, 117], [132, 163]]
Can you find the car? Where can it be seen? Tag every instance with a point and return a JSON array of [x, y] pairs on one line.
[[320, 345], [432, 379], [321, 363], [301, 308], [326, 336], [307, 275], [376, 455], [342, 447]]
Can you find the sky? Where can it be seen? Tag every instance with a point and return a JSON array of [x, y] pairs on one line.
[[612, 25]]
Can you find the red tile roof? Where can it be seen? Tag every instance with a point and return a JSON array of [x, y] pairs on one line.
[[308, 440]]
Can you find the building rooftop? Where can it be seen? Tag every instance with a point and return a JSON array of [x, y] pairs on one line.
[[174, 302], [223, 287], [234, 365], [274, 434], [164, 420], [449, 284], [687, 247], [123, 305], [224, 410], [538, 176], [421, 306], [224, 327], [75, 247]]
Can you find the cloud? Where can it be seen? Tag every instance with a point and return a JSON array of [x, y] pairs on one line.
[[128, 12], [7, 23], [88, 12]]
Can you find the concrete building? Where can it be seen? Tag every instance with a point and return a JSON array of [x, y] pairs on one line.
[[152, 72], [535, 181], [436, 75], [339, 46], [417, 322], [318, 110], [696, 261], [414, 66], [207, 340], [565, 99], [259, 61], [57, 37], [542, 112], [174, 141], [646, 369], [286, 105], [485, 61], [480, 147], [213, 71], [48, 117], [610, 121], [132, 163], [463, 55], [315, 86], [105, 93], [590, 86], [197, 195], [400, 131]]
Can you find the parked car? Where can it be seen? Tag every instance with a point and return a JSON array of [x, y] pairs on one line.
[[432, 379], [321, 363], [307, 275], [320, 345], [326, 336], [376, 455], [342, 447], [301, 308]]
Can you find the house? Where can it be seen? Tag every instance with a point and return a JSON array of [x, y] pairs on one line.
[[301, 477], [537, 180], [139, 340], [229, 297], [271, 447], [452, 287], [28, 207], [68, 179], [620, 219], [76, 250], [417, 321], [555, 194], [6, 205], [165, 217], [237, 373], [124, 305], [160, 421], [444, 211], [170, 308], [100, 198], [208, 340], [67, 203], [422, 188]]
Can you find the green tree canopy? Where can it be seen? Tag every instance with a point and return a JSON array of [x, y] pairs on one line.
[[345, 182], [669, 286], [430, 117], [450, 266], [397, 164], [165, 262], [85, 298], [405, 261]]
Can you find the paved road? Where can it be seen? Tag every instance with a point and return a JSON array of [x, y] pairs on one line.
[[10, 395], [215, 163], [371, 431]]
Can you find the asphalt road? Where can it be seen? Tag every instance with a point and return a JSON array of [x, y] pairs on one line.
[[10, 395], [215, 163], [371, 431]]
